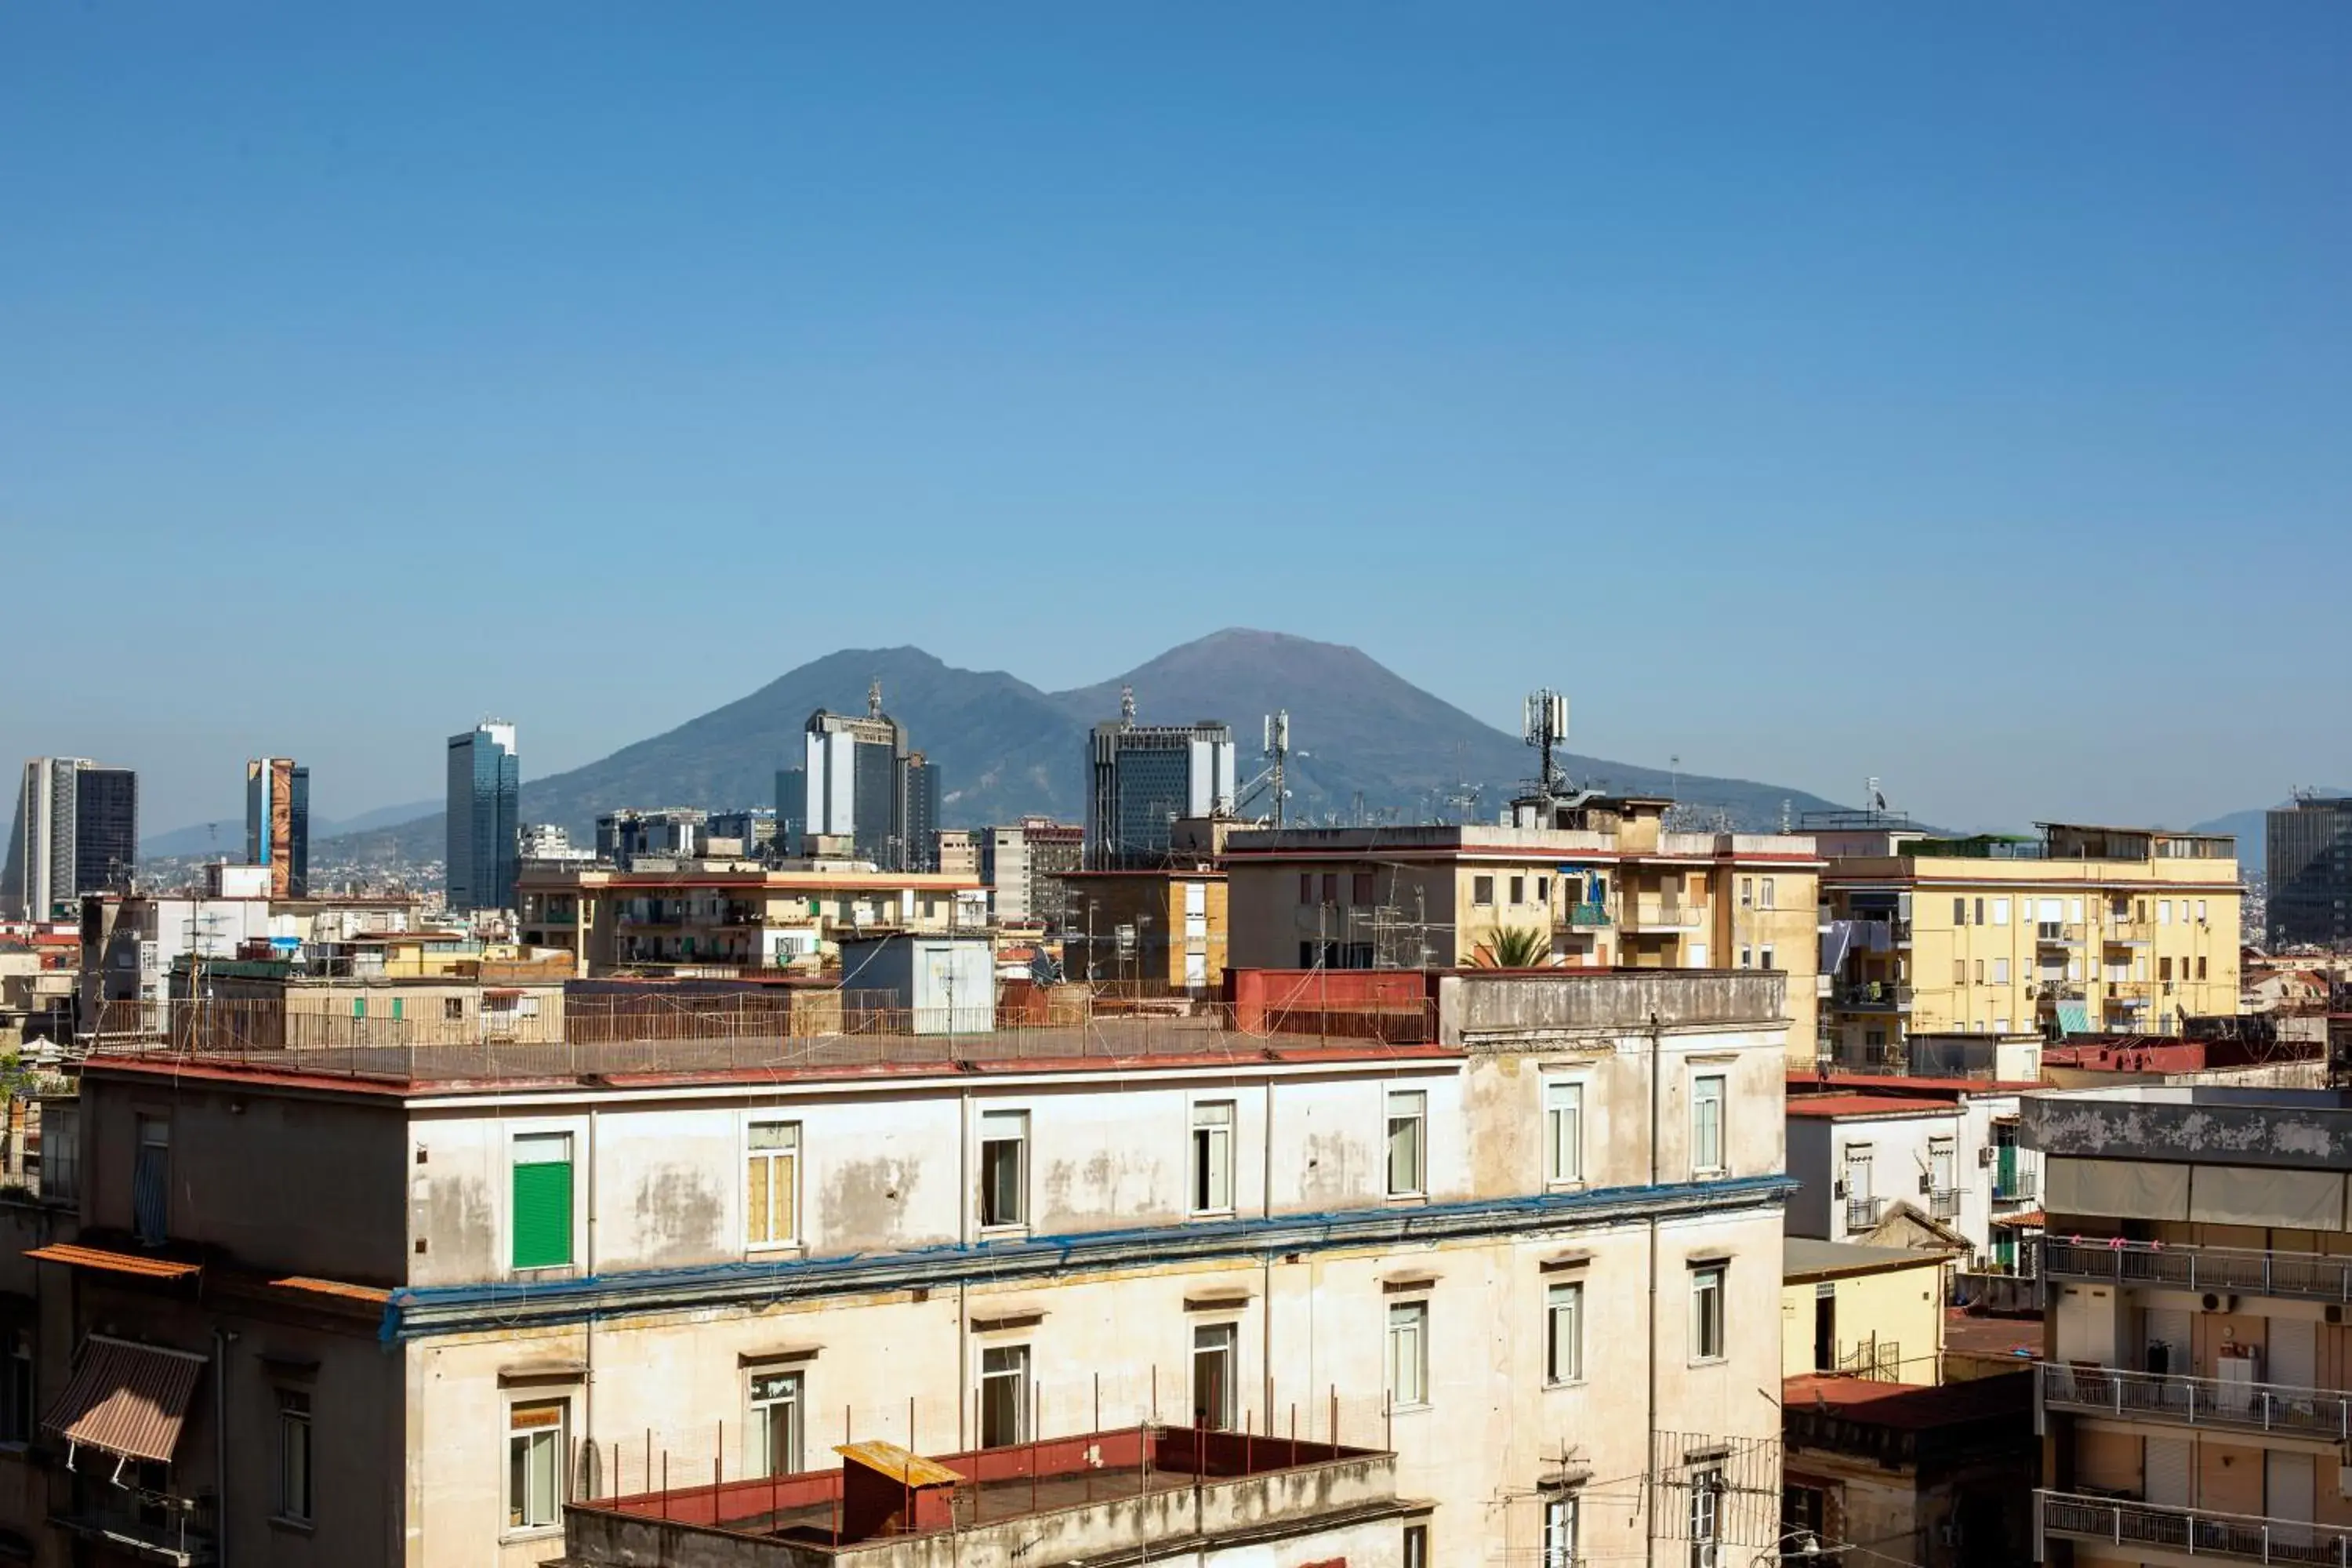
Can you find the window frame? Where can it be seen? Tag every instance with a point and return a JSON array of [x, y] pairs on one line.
[[1482, 892], [1710, 1284], [1408, 1327], [516, 1140], [1415, 1112], [1564, 1157], [1020, 1374], [1218, 1341], [557, 1436], [988, 1193], [297, 1432], [1557, 1538], [1564, 1299], [1721, 1098], [788, 1155], [767, 1462], [1213, 1163]]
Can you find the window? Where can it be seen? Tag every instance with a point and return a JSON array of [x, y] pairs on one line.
[[2164, 968], [2200, 966], [2164, 912], [1979, 971], [1564, 1132], [1980, 919], [399, 1010], [1543, 890], [1706, 1517], [2074, 910], [150, 1181], [1959, 911], [1213, 1157], [359, 1007], [294, 1455], [775, 1425], [2000, 1025], [2200, 912], [1765, 957], [1003, 1396], [1747, 956], [542, 1213], [1408, 1121], [771, 1187], [1564, 1333], [17, 1388], [1764, 893], [1697, 955], [2000, 912], [1482, 891], [1707, 1125], [1330, 886], [1747, 892], [1361, 894], [1707, 1312], [1960, 972], [1559, 1530], [60, 1150], [1306, 886], [535, 1465], [453, 1007], [1416, 1546], [1003, 1167], [2000, 972], [1214, 1375], [1409, 1353]]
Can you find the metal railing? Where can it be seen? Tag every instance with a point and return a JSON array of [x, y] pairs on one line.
[[2019, 1186], [1861, 1213], [1677, 917], [2124, 932], [1874, 994], [2057, 934], [2195, 1531], [2319, 1413], [1944, 1203], [2308, 1276], [1583, 917]]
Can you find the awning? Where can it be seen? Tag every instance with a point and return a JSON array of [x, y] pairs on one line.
[[79, 1257], [2073, 1017], [128, 1399]]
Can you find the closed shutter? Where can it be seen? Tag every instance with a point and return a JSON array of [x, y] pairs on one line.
[[2167, 1472], [2294, 1360], [2289, 1485], [542, 1214]]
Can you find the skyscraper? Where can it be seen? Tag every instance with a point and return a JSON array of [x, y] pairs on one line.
[[1144, 776], [863, 784], [277, 823], [485, 797], [2309, 862], [74, 831], [792, 809]]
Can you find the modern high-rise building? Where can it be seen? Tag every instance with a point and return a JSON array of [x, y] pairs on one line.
[[792, 809], [863, 784], [2308, 854], [1142, 777], [277, 823], [76, 831], [485, 795]]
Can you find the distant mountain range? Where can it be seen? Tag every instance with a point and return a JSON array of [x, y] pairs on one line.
[[206, 839], [1005, 748]]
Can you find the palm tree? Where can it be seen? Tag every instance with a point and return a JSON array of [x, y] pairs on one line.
[[1514, 947]]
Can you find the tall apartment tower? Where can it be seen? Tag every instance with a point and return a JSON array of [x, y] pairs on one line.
[[792, 809], [1142, 777], [863, 784], [277, 823], [485, 795], [2309, 854], [74, 831]]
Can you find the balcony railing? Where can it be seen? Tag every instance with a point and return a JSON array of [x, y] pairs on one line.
[[1861, 1213], [2124, 934], [2056, 933], [1875, 995], [2193, 1531], [2303, 1276], [1944, 1203], [171, 1530], [2319, 1413], [1648, 915], [2017, 1187], [1583, 917]]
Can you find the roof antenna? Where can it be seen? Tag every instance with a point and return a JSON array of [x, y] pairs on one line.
[[1127, 706], [874, 698]]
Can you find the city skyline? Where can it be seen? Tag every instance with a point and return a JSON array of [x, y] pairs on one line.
[[1858, 343]]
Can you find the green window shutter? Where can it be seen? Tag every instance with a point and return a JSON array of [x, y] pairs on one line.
[[542, 1215], [395, 1005], [359, 1007]]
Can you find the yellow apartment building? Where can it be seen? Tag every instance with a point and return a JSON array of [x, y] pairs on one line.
[[2084, 930], [1599, 882]]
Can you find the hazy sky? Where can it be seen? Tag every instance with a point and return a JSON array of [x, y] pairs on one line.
[[1957, 394]]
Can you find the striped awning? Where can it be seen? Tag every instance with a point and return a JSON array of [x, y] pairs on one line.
[[128, 1399]]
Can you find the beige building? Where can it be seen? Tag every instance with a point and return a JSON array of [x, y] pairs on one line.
[[1605, 885], [236, 1004], [2085, 930], [1873, 1311], [1161, 930], [1525, 1271], [2198, 1392], [724, 917]]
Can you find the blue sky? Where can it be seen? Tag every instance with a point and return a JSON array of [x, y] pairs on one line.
[[1957, 395]]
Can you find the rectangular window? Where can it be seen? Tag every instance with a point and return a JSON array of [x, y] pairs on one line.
[[398, 1010], [1003, 1167], [1980, 912], [17, 1388], [1564, 1132], [1409, 1353], [453, 1007], [1543, 890], [1482, 891], [1408, 1123], [1213, 1157], [359, 1007], [1363, 890], [1416, 1546], [541, 1214], [151, 1182], [1979, 971], [2000, 972], [1707, 1125], [1747, 956], [2164, 968], [1330, 886], [1707, 1519], [1564, 1333], [2200, 911], [535, 1465], [2074, 910], [1003, 1396], [2200, 966], [294, 1455], [2164, 912], [1216, 1375], [1959, 911], [775, 1425], [1306, 886], [771, 1186], [1765, 958], [1764, 893], [1960, 972], [2000, 912], [1706, 1313], [1559, 1530], [1518, 889], [1747, 892]]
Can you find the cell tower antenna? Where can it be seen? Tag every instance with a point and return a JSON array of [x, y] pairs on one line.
[[1545, 725], [1127, 706], [874, 698]]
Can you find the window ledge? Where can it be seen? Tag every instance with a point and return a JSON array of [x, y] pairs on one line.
[[1397, 1199], [1710, 1361], [776, 1248], [514, 1535], [1421, 1408], [292, 1526], [1226, 1213]]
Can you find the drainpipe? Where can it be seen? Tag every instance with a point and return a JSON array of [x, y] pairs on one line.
[[963, 1286], [1650, 1434], [588, 1324], [221, 1340]]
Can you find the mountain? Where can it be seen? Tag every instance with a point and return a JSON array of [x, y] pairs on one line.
[[1004, 747], [2253, 831], [226, 837]]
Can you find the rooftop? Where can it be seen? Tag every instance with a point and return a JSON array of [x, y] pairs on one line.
[[1908, 1407], [1967, 1333], [1802, 1258], [1834, 1105], [2290, 1129]]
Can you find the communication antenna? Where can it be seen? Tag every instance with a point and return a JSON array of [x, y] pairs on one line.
[[874, 698], [1278, 753], [1127, 706], [1545, 725]]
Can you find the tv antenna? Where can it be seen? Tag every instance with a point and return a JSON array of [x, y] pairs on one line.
[[1544, 724]]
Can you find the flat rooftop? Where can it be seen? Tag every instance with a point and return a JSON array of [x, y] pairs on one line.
[[1802, 1258], [2294, 1129]]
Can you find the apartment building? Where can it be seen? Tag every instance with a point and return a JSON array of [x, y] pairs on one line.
[[731, 915], [1874, 1312], [1603, 884], [1518, 1274], [2197, 1397], [1024, 865], [1910, 1161], [2082, 930]]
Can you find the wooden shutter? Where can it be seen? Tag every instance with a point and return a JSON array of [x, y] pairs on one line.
[[542, 1214]]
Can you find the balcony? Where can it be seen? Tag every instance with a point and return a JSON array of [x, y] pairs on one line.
[[2124, 934], [2190, 1531], [1944, 1203], [1649, 915], [1582, 917], [2317, 1413], [2054, 933], [171, 1530], [1874, 997], [2299, 1275], [2050, 993], [1863, 1214], [2016, 1187]]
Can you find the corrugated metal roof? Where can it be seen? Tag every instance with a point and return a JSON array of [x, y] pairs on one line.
[[116, 1262], [907, 1468], [127, 1399], [333, 1287]]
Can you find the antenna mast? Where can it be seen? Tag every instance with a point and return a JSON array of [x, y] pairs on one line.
[[1277, 751], [1545, 725]]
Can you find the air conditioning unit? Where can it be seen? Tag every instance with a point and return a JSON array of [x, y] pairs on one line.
[[2335, 1312], [2214, 1302], [1984, 1155], [1927, 1183], [1837, 1189]]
